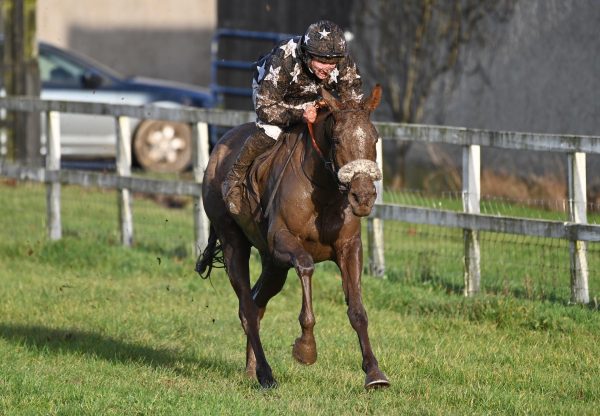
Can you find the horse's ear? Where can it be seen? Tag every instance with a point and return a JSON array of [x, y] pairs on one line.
[[374, 99], [330, 100]]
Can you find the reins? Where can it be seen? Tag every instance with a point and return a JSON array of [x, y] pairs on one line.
[[329, 166], [328, 163], [315, 145]]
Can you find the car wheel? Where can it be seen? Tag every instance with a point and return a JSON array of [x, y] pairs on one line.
[[163, 146]]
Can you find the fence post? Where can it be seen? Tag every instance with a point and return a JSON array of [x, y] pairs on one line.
[[53, 187], [200, 152], [375, 226], [3, 129], [471, 191], [123, 128], [578, 214]]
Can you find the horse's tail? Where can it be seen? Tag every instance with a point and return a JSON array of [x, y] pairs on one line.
[[212, 256]]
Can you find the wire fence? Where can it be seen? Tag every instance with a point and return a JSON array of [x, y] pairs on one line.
[[526, 267], [438, 236], [522, 266]]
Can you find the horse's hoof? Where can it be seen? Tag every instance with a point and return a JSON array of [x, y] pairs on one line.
[[376, 380], [268, 383], [305, 352], [266, 379]]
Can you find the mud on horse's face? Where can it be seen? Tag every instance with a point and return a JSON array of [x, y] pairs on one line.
[[353, 143]]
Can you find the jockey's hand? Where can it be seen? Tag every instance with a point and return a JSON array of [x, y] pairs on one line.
[[310, 114]]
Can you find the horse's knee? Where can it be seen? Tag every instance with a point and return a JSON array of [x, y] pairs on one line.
[[358, 316], [304, 265]]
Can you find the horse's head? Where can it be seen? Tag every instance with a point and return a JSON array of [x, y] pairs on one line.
[[353, 140]]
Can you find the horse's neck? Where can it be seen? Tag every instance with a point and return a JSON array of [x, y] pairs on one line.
[[317, 154]]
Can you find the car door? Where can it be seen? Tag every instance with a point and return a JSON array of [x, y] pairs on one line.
[[67, 77]]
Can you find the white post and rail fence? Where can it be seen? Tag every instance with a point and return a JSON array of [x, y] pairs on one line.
[[574, 229]]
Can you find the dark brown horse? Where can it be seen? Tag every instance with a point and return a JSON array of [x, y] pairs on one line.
[[304, 199]]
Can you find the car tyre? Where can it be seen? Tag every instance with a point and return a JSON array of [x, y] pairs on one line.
[[163, 146]]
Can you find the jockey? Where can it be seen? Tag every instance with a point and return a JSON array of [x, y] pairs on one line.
[[285, 89]]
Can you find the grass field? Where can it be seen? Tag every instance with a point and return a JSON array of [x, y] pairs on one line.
[[89, 327]]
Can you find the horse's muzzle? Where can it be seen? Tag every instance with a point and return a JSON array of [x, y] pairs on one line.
[[362, 195]]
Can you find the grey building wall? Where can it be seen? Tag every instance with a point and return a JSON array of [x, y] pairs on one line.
[[165, 39]]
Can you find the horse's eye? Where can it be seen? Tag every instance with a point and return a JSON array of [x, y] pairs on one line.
[[335, 140]]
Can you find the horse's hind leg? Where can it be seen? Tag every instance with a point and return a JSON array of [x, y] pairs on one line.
[[270, 283], [236, 257]]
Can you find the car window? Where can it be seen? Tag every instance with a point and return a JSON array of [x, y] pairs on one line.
[[56, 70]]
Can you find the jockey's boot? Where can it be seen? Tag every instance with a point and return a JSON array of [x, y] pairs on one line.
[[255, 145]]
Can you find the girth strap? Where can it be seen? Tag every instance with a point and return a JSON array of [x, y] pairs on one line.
[[287, 161]]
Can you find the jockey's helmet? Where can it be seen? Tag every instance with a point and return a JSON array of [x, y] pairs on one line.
[[324, 40]]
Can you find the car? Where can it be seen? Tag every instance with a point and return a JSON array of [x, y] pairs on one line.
[[157, 145]]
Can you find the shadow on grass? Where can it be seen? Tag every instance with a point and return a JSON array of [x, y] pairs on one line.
[[76, 341]]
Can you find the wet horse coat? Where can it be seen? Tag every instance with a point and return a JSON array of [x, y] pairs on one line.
[[303, 205]]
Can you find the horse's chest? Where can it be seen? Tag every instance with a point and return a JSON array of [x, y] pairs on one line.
[[322, 227]]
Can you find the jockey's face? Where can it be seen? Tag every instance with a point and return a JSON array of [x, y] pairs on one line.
[[321, 69]]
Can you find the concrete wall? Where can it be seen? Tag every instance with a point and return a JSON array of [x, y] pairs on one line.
[[167, 39], [540, 74]]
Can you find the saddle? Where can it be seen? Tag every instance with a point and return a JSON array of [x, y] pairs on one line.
[[264, 175]]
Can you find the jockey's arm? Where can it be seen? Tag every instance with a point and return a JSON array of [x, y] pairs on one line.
[[271, 107]]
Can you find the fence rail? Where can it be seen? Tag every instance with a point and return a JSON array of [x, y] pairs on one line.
[[575, 230]]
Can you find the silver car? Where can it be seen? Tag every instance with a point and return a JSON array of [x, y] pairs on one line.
[[161, 146]]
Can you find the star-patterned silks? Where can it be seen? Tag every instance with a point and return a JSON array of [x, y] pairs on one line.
[[280, 101], [351, 74], [261, 71], [333, 75], [289, 48], [306, 39], [355, 96], [273, 75], [295, 73], [324, 33], [310, 88]]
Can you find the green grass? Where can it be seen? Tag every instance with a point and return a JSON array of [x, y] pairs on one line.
[[526, 267], [89, 327]]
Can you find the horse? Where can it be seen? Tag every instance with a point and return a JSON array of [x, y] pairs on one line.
[[302, 204]]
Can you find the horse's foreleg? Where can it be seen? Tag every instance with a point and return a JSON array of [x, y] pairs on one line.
[[305, 347], [287, 249], [350, 264], [236, 261]]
